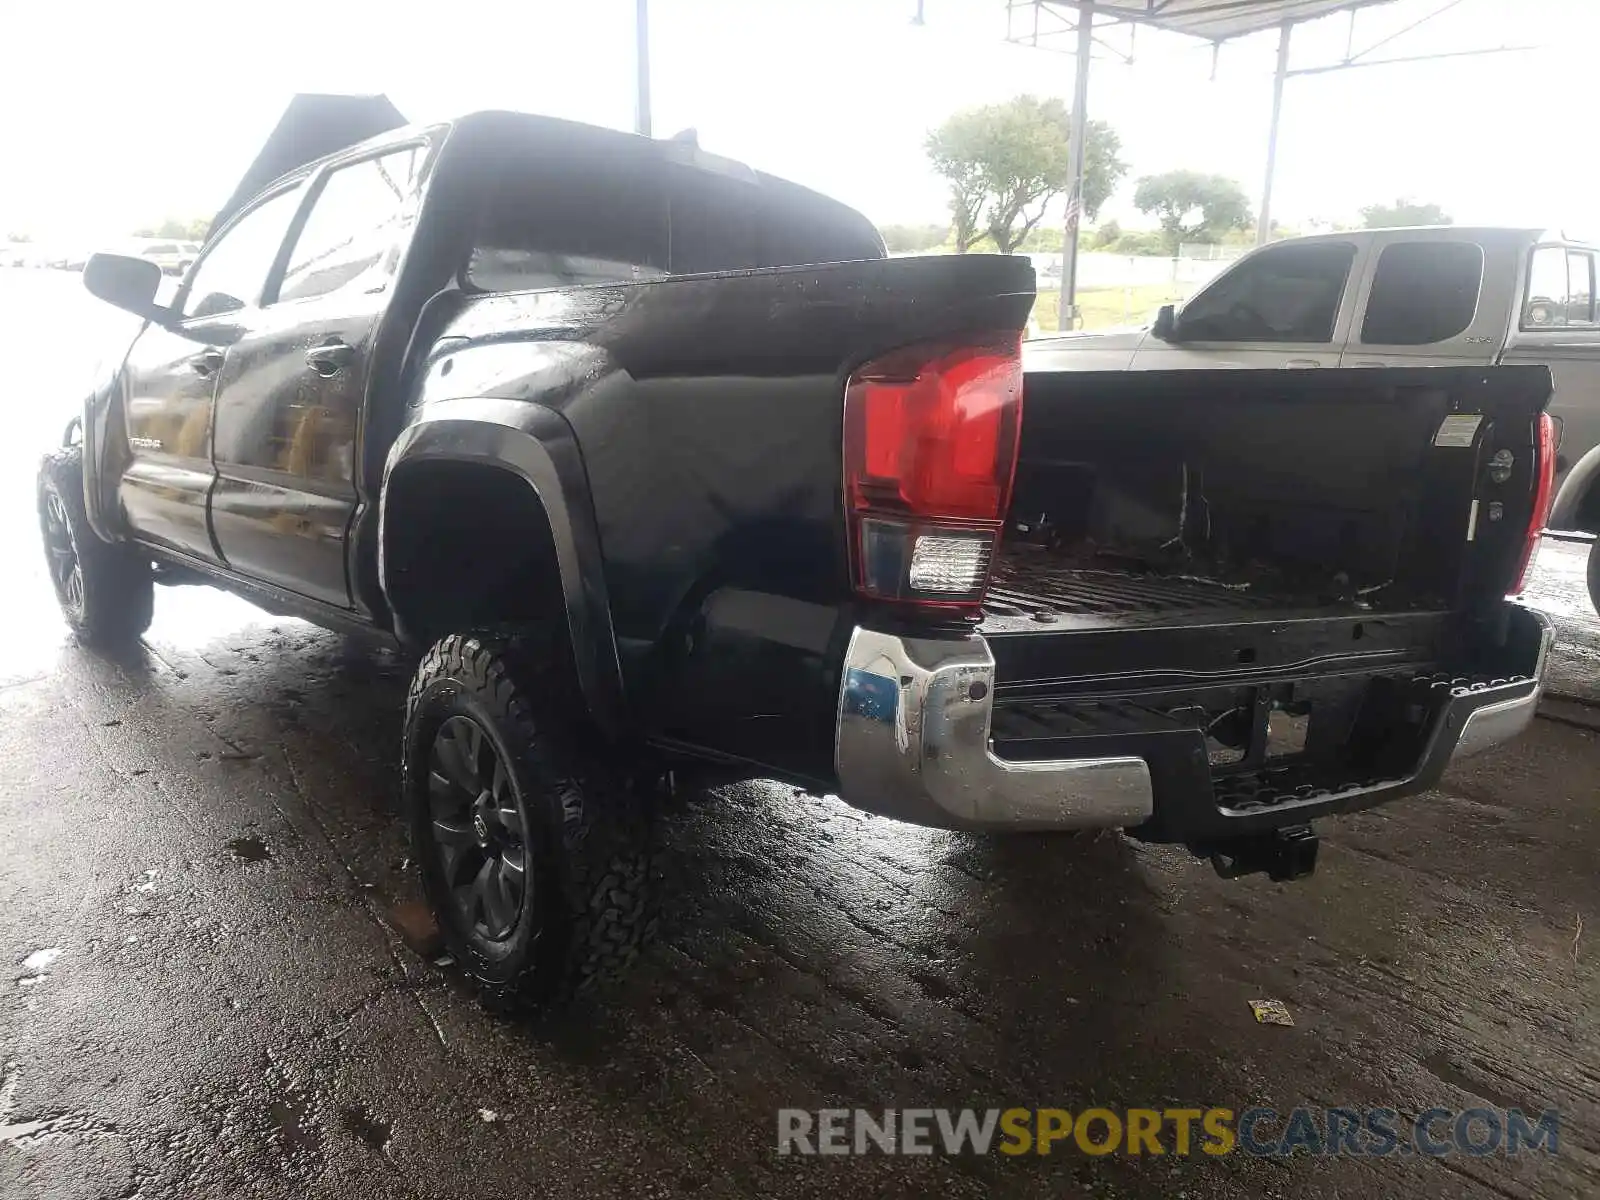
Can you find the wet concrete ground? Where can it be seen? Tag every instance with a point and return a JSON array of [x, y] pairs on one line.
[[1561, 590], [203, 991]]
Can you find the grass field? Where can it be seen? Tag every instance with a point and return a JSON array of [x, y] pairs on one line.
[[1105, 308]]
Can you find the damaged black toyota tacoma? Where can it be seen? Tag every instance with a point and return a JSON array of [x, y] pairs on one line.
[[663, 468]]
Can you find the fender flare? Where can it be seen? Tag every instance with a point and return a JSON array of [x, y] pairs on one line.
[[102, 429], [1580, 482], [536, 444]]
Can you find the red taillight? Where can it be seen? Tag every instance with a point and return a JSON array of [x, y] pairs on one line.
[[1544, 481], [930, 448]]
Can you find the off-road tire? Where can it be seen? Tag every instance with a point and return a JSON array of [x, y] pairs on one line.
[[114, 597], [588, 829], [1594, 575]]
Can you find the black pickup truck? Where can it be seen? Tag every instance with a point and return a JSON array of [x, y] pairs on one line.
[[664, 468]]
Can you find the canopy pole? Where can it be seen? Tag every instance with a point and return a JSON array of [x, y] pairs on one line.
[[641, 94], [1264, 223], [1066, 318]]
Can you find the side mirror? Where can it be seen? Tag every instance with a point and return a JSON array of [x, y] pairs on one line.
[[1166, 325], [128, 283]]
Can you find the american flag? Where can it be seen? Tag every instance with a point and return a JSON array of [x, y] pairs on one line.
[[1074, 210]]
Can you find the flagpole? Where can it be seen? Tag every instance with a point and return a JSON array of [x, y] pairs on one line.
[[1066, 318]]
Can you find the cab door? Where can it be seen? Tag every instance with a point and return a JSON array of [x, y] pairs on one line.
[[1285, 306], [1433, 298], [291, 393], [171, 379]]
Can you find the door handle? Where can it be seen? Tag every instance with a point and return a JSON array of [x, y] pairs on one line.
[[328, 358], [206, 363], [1302, 362], [1368, 362]]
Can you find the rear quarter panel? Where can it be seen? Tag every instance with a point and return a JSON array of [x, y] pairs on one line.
[[709, 415]]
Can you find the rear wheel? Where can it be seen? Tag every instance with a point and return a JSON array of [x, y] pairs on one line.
[[536, 853], [106, 590]]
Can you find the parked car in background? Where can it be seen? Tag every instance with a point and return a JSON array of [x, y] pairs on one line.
[[62, 259], [1435, 296], [174, 258]]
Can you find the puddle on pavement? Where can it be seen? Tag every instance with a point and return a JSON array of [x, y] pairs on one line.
[[250, 849], [292, 1121], [370, 1130]]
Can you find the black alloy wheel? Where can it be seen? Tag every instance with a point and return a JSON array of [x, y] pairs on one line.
[[479, 831], [106, 589], [61, 555], [533, 834]]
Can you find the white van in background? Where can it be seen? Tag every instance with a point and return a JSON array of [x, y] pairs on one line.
[[1436, 296]]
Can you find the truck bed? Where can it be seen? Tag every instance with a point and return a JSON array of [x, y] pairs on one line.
[[1033, 587], [1063, 624]]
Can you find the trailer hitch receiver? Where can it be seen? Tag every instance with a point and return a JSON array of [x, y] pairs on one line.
[[1284, 854]]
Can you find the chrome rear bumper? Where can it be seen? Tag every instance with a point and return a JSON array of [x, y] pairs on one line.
[[1492, 724], [913, 742]]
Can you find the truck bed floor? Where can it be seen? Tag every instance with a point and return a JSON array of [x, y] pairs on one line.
[[1032, 587]]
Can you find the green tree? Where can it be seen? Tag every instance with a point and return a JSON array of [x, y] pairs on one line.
[[1401, 213], [1140, 242], [1006, 162], [966, 206], [908, 239], [1042, 239], [1104, 236], [189, 229], [1192, 207]]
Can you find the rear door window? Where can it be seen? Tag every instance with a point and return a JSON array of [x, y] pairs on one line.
[[1423, 292], [353, 235], [1288, 293], [1561, 293]]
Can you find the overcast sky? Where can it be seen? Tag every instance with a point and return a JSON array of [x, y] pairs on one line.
[[121, 114]]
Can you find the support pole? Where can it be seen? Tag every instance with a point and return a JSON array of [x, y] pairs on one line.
[[1075, 160], [1264, 222], [641, 93]]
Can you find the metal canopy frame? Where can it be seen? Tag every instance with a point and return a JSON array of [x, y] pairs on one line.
[[641, 67], [1216, 21]]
